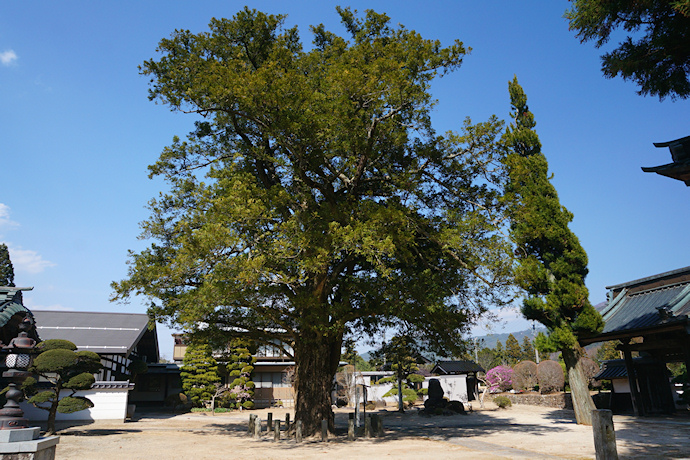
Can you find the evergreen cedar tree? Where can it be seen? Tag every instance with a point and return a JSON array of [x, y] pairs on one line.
[[6, 267], [551, 264], [656, 52], [63, 368], [313, 199]]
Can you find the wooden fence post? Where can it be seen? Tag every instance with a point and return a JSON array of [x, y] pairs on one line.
[[604, 435], [257, 427], [351, 429], [270, 422], [250, 426], [276, 430], [367, 427], [324, 430], [298, 431]]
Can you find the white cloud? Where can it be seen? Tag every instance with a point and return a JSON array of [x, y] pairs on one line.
[[28, 261], [8, 57], [5, 220]]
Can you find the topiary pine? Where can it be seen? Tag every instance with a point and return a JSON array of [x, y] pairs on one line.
[[64, 369], [6, 267], [199, 373], [240, 368]]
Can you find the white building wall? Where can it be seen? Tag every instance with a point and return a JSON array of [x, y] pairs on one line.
[[454, 386], [109, 404]]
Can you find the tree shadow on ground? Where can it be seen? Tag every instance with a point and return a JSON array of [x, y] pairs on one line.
[[410, 425], [97, 432], [645, 439]]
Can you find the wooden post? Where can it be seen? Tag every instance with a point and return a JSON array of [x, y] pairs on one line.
[[250, 426], [257, 427], [287, 422], [604, 435], [351, 429], [356, 405], [270, 422], [377, 423], [276, 430], [367, 427], [632, 381], [324, 430], [298, 431]]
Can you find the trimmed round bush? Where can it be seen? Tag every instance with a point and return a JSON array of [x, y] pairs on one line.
[[502, 402], [550, 376], [525, 375], [248, 404]]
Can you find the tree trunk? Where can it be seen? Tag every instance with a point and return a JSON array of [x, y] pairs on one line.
[[401, 405], [317, 357], [52, 412], [579, 389]]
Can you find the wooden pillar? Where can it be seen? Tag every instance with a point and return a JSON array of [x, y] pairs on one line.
[[351, 429], [270, 422], [604, 435], [632, 381]]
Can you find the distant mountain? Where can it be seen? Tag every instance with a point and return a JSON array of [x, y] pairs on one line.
[[489, 341]]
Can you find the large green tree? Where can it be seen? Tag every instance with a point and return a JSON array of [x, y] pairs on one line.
[[314, 199], [552, 264], [656, 52], [6, 267]]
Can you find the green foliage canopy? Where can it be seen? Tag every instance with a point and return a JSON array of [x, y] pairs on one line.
[[314, 198], [656, 52], [313, 193], [199, 373], [64, 369]]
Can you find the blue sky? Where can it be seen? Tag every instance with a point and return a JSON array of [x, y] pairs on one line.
[[77, 133]]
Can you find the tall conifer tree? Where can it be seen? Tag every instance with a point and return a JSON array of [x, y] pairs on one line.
[[552, 264], [6, 268]]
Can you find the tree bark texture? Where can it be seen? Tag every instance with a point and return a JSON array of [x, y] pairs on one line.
[[317, 358], [579, 389]]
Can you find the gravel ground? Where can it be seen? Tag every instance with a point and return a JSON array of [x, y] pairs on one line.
[[520, 432]]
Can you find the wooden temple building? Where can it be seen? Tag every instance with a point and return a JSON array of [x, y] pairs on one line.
[[650, 318]]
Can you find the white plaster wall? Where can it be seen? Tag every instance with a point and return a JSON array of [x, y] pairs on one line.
[[621, 385], [375, 393], [108, 405], [454, 386]]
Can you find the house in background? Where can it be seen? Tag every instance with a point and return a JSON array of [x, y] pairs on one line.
[[271, 372], [119, 339], [458, 379]]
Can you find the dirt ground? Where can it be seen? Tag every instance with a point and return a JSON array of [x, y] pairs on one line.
[[519, 432]]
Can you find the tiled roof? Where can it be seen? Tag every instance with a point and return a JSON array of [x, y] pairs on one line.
[[103, 333], [613, 369], [650, 308], [456, 367], [114, 385]]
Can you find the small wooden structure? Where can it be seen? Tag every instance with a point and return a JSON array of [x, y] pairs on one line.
[[459, 379], [650, 317]]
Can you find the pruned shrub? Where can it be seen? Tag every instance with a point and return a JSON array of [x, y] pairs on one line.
[[500, 378], [590, 368], [550, 376], [525, 375], [502, 402]]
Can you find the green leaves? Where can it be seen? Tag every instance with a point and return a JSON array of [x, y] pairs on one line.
[[655, 54], [551, 263], [314, 193]]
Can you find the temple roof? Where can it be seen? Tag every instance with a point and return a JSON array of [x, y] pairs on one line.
[[102, 333]]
